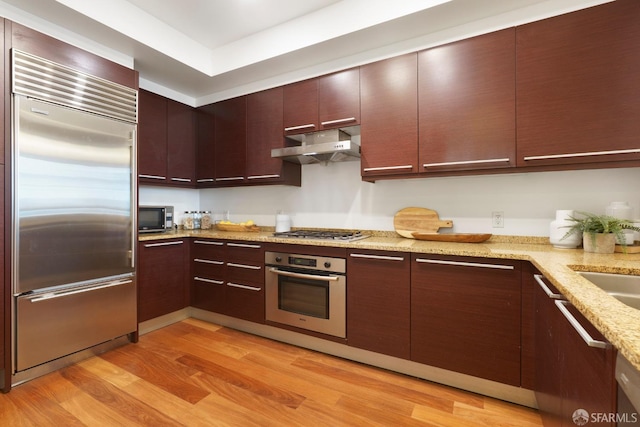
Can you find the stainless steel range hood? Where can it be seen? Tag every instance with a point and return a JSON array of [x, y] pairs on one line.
[[335, 145]]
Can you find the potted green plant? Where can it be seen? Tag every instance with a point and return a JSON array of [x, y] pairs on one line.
[[600, 232]]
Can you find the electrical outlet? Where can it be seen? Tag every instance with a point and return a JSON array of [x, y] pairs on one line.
[[497, 219]]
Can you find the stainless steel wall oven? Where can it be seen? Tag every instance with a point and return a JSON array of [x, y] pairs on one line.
[[307, 292]]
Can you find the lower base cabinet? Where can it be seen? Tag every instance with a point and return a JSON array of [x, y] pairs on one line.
[[574, 374], [162, 278], [465, 315], [378, 302]]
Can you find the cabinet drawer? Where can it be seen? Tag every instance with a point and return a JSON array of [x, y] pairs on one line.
[[208, 249], [245, 273], [205, 269], [250, 252]]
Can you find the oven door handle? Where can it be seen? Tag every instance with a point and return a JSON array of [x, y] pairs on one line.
[[304, 276]]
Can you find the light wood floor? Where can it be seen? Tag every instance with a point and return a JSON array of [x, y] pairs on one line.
[[194, 373]]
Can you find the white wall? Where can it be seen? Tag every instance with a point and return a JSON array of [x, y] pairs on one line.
[[334, 196]]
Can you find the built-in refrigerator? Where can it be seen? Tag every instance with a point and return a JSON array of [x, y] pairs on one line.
[[73, 202]]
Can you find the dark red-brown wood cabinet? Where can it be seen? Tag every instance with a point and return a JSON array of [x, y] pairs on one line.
[[465, 315], [152, 138], [181, 144], [208, 274], [578, 87], [467, 104], [230, 141], [389, 117], [378, 302]]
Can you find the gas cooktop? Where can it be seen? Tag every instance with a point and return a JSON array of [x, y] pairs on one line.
[[344, 236]]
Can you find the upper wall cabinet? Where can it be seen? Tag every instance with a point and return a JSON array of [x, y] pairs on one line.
[[578, 87], [264, 133], [389, 119], [328, 102], [466, 104], [205, 148], [166, 141], [230, 140]]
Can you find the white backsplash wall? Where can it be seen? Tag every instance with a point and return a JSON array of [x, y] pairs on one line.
[[334, 196]]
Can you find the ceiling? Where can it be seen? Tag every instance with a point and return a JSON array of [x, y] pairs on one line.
[[213, 49]]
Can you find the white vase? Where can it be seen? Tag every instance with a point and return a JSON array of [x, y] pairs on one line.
[[559, 228], [622, 210], [599, 243]]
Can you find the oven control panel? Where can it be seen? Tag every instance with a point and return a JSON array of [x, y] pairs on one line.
[[309, 262]]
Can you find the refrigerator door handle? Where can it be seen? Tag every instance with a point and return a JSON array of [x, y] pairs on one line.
[[54, 295]]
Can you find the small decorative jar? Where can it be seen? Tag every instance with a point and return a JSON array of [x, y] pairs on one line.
[[559, 228], [197, 217], [205, 220], [622, 210], [188, 220]]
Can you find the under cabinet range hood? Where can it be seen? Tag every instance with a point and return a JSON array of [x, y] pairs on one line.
[[334, 145]]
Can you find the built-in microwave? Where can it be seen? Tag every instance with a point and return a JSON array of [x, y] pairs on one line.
[[155, 219]]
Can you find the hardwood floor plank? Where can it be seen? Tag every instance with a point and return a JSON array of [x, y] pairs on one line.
[[197, 374]]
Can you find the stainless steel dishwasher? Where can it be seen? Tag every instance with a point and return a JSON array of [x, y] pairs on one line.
[[628, 378]]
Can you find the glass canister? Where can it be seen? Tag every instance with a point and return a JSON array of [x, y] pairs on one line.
[[188, 220], [205, 220], [197, 217]]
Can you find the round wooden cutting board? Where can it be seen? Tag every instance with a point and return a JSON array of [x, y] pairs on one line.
[[410, 220]]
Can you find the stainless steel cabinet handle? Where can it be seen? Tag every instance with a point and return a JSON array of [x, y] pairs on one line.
[[231, 178], [380, 257], [206, 180], [181, 179], [62, 294], [248, 267], [263, 176], [244, 245], [586, 154], [578, 327], [215, 282], [237, 285], [337, 121], [308, 126], [153, 245], [387, 168], [545, 288], [303, 276], [152, 176], [206, 242], [466, 162], [465, 264], [208, 261]]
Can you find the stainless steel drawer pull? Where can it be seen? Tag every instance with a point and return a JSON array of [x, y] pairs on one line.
[[337, 121], [250, 288], [388, 168], [466, 162], [215, 282], [181, 179], [380, 257], [152, 176], [153, 245], [231, 178], [63, 294], [465, 264], [206, 180], [206, 242], [308, 126], [304, 276], [586, 154], [263, 176], [248, 267], [562, 305], [244, 245], [545, 288], [208, 261]]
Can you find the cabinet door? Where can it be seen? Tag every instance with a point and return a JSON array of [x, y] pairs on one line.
[[244, 291], [378, 302], [339, 99], [205, 147], [4, 302], [466, 104], [578, 87], [264, 133], [301, 107], [465, 315], [230, 140], [389, 117], [162, 268], [152, 138], [181, 144], [209, 275]]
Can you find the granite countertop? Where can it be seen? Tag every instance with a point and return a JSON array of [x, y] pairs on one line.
[[619, 323]]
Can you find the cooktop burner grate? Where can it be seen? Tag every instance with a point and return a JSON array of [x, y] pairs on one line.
[[347, 236]]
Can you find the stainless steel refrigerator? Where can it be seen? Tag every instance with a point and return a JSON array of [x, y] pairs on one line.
[[73, 240]]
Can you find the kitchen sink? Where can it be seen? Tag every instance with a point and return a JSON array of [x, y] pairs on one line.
[[625, 288]]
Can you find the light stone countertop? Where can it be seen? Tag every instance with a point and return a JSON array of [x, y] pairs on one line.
[[619, 323]]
